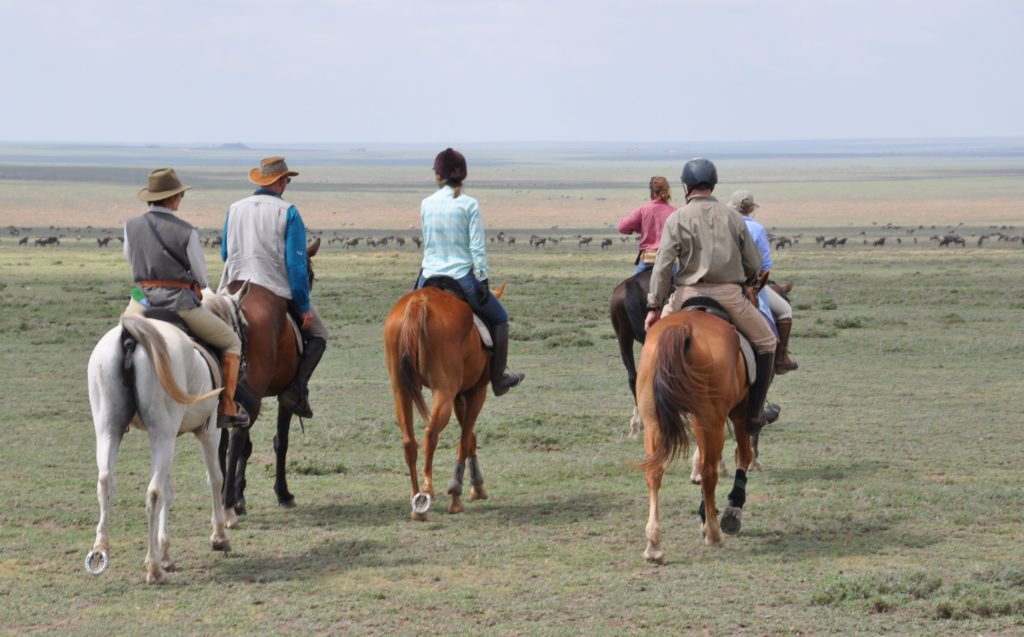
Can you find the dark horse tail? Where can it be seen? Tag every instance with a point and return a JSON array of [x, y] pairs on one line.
[[414, 325], [635, 301], [678, 384]]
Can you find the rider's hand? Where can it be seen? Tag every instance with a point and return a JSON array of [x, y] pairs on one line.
[[485, 293], [307, 320], [652, 318]]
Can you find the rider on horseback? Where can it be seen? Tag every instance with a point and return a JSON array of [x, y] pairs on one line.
[[743, 202], [454, 246], [265, 243], [170, 270], [716, 256], [648, 220]]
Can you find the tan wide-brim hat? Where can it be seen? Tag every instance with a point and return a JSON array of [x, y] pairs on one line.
[[163, 183], [271, 169], [743, 198]]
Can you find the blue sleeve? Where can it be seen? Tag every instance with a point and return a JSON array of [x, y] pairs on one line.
[[761, 239], [224, 238], [295, 259]]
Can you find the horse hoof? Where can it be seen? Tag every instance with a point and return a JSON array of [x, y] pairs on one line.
[[477, 493], [96, 562], [157, 577], [288, 503], [421, 503], [417, 517], [169, 566], [240, 507], [456, 505], [655, 557], [230, 519], [730, 521], [220, 545]]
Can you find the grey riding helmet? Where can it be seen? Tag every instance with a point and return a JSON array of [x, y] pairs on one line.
[[699, 173]]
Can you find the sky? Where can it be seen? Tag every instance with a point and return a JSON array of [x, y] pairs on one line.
[[458, 71]]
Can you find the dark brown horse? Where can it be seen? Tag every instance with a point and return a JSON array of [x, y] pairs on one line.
[[430, 341], [627, 309], [692, 364], [271, 353]]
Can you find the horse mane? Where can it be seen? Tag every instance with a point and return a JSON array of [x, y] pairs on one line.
[[413, 325], [677, 385], [156, 348]]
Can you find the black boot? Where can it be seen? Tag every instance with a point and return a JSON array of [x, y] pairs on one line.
[[295, 397], [501, 380], [765, 363]]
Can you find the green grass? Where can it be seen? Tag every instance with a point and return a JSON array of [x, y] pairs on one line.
[[888, 503]]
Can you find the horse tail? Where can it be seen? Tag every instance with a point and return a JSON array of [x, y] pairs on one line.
[[635, 300], [414, 324], [678, 384], [142, 333]]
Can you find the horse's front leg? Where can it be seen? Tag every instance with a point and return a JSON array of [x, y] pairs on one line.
[[284, 421], [745, 456], [162, 453], [215, 480]]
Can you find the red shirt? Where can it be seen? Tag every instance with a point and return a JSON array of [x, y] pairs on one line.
[[648, 221]]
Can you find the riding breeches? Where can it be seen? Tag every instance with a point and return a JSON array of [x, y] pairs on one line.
[[747, 319], [203, 323], [781, 309]]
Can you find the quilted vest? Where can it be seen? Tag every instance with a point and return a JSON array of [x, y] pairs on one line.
[[255, 244], [150, 261]]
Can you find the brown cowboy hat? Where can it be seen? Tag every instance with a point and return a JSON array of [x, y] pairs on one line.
[[271, 169], [163, 183]]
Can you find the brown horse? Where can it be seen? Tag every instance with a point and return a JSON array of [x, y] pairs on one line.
[[271, 353], [692, 364], [430, 341], [627, 309]]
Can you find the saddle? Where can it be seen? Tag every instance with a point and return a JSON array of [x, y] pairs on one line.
[[713, 307], [451, 286], [209, 353]]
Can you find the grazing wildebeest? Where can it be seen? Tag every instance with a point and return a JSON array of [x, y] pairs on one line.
[[271, 352], [951, 238], [878, 242], [584, 241], [606, 243], [840, 242], [539, 242], [830, 242], [430, 341], [47, 241], [102, 242], [692, 364], [23, 241], [783, 242], [217, 241], [148, 374], [511, 241]]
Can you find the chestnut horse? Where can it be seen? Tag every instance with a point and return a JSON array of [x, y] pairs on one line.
[[692, 364], [271, 354], [430, 341]]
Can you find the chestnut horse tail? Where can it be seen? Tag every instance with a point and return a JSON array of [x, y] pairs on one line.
[[414, 325], [156, 348], [678, 386]]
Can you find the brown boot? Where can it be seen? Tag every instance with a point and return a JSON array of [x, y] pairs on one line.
[[229, 413], [783, 362]]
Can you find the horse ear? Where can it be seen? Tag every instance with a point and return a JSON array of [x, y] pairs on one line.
[[313, 248], [500, 291]]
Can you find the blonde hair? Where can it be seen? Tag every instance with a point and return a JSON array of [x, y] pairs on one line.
[[660, 188]]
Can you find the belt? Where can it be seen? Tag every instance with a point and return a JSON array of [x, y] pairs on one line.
[[185, 285]]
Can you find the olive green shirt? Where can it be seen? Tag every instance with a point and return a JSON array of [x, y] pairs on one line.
[[711, 243]]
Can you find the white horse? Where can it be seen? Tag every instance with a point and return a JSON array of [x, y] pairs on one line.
[[147, 374]]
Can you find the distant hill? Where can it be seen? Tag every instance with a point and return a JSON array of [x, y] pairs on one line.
[[233, 146]]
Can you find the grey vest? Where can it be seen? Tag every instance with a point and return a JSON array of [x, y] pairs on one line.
[[150, 261]]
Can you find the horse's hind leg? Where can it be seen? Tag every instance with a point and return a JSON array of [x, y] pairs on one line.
[[235, 444], [711, 439], [215, 480], [732, 515], [440, 414], [107, 444], [403, 414], [166, 561], [284, 421]]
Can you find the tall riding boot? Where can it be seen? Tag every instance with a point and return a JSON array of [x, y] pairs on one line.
[[501, 380], [783, 363], [295, 397], [229, 413], [765, 363]]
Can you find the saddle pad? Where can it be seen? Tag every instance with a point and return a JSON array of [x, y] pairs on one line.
[[212, 363], [485, 333], [295, 328]]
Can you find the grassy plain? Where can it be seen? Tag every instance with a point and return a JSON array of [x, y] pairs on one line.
[[888, 503]]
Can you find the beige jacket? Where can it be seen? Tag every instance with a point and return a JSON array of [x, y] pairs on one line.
[[711, 243]]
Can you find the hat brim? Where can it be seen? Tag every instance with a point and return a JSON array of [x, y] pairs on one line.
[[266, 180], [149, 197]]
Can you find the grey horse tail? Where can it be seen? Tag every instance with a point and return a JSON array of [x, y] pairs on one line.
[[144, 334]]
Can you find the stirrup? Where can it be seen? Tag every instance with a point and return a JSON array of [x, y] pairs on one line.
[[239, 421]]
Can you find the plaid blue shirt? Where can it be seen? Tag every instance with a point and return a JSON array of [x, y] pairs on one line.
[[453, 236]]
